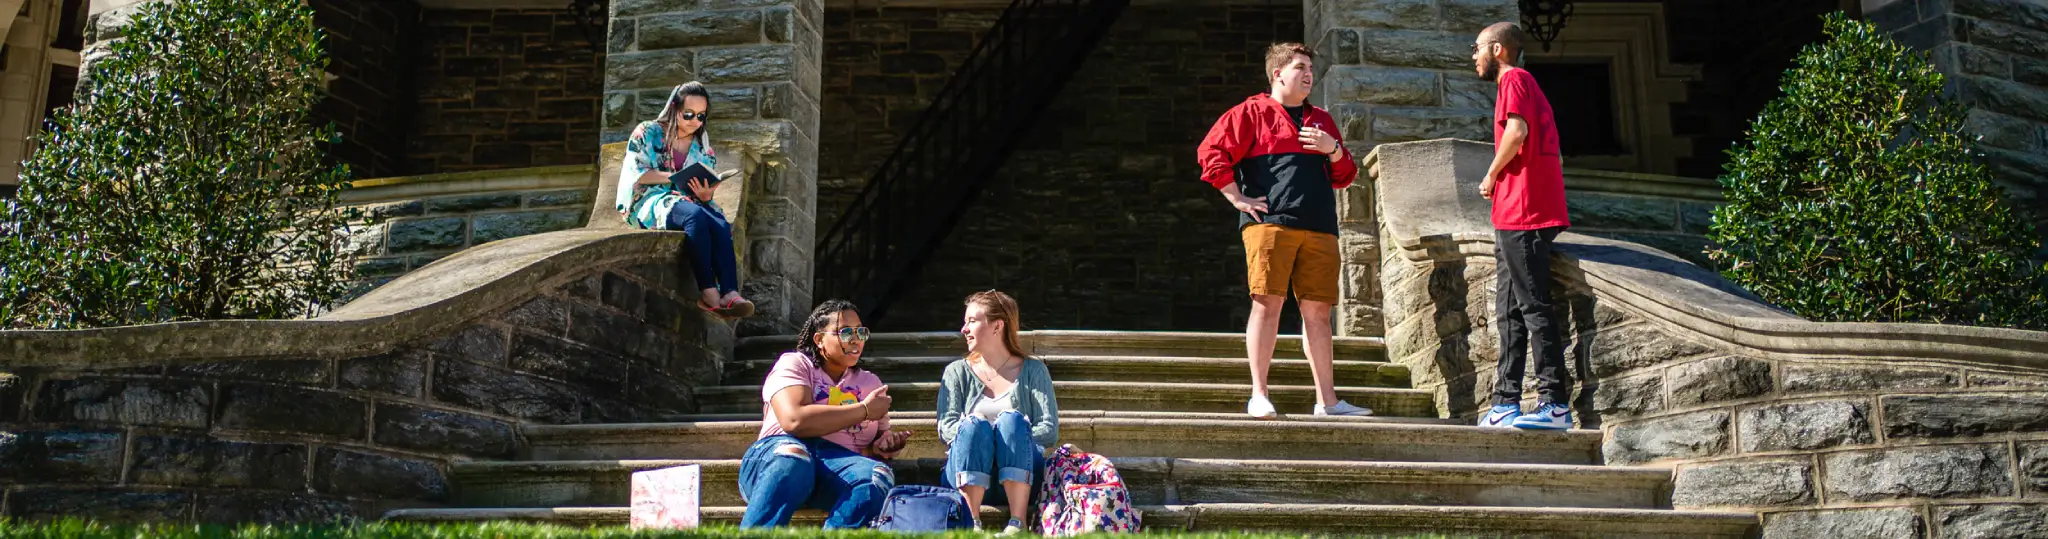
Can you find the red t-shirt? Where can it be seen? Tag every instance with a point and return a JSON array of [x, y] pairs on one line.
[[1529, 194]]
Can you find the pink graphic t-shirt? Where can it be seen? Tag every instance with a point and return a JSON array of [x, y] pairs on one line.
[[793, 369]]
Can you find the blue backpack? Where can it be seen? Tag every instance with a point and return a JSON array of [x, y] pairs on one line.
[[924, 508]]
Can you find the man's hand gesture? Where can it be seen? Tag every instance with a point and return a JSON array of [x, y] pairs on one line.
[[1318, 139]]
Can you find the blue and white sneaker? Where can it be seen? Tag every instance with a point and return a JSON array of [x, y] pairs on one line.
[[1501, 416], [1550, 416]]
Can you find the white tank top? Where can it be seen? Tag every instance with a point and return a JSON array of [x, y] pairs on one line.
[[989, 407]]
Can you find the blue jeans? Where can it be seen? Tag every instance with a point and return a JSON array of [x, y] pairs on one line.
[[710, 239], [781, 474], [1003, 449]]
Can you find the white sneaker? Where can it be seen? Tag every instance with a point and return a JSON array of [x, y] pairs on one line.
[[1343, 408], [1260, 407], [1014, 527]]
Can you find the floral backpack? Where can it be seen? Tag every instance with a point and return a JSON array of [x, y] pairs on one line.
[[1082, 493]]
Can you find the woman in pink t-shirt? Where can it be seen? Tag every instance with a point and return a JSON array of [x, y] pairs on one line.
[[824, 430]]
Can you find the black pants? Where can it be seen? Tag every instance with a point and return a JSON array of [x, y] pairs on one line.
[[1521, 310]]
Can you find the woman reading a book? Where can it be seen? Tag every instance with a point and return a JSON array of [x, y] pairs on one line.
[[666, 183]]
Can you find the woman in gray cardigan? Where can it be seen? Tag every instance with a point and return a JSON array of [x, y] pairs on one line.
[[997, 412]]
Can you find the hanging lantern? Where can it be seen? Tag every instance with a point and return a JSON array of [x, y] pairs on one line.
[[595, 16], [1544, 18]]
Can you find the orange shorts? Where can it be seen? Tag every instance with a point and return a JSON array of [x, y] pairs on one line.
[[1276, 256]]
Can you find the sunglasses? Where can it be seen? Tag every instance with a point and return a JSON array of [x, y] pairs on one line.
[[693, 115], [859, 334]]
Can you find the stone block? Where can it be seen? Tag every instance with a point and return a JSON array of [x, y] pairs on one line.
[[1983, 61], [1626, 397], [546, 315], [1877, 523], [480, 343], [758, 63], [777, 256], [621, 109], [2007, 97], [2034, 466], [1993, 520], [1468, 17], [1627, 348], [364, 240], [736, 103], [649, 69], [1808, 377], [497, 226], [1688, 436], [381, 267], [621, 35], [401, 372], [1695, 217], [2032, 71], [187, 462], [1428, 49], [502, 392], [1718, 379], [13, 391], [412, 235], [1947, 416], [1468, 91], [104, 506], [72, 457], [351, 473], [293, 411], [124, 402], [1381, 85], [1410, 124], [1402, 14], [1806, 426], [660, 392], [2004, 131], [276, 508], [1940, 471], [589, 287], [287, 371], [699, 28], [442, 431], [1624, 212], [622, 293], [662, 278], [470, 203], [1744, 483], [2020, 12], [584, 368], [636, 8], [2009, 38]]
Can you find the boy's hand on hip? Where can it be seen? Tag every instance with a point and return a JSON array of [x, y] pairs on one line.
[[1253, 206]]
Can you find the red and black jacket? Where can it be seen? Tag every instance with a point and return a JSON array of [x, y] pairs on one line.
[[1257, 146]]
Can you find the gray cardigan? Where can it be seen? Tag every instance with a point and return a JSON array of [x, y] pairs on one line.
[[1032, 397]]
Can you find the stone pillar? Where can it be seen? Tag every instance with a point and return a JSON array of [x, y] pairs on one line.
[[1995, 53], [1394, 71], [762, 60], [1437, 268]]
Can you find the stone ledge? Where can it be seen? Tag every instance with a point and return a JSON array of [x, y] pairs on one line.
[[430, 301], [486, 181]]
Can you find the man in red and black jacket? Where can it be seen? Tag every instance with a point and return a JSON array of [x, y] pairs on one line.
[[1279, 161]]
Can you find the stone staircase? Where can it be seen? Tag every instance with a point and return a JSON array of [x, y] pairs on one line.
[[1167, 407]]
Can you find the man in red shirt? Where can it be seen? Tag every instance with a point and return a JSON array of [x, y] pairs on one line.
[[1278, 160], [1526, 184]]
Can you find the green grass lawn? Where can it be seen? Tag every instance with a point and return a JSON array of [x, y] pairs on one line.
[[87, 530]]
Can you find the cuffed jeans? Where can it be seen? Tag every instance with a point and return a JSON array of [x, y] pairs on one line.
[[710, 239], [1003, 449], [1522, 310], [781, 474]]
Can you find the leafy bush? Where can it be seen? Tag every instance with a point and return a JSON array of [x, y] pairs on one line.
[[1858, 197], [186, 182]]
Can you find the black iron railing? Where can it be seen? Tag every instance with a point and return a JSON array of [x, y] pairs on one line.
[[878, 244]]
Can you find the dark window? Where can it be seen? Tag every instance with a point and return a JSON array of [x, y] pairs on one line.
[[1582, 99], [71, 28]]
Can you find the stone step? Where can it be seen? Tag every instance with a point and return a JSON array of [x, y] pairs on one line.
[[1152, 481], [1117, 437], [900, 415], [1358, 520], [1132, 396], [1235, 370], [1079, 343]]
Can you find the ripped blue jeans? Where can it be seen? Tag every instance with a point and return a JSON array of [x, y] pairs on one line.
[[984, 453], [781, 474]]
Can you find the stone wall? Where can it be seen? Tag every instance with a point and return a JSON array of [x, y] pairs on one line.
[[1995, 53], [409, 222], [762, 60], [504, 88], [1099, 219], [1669, 213], [370, 46], [305, 438], [1834, 430]]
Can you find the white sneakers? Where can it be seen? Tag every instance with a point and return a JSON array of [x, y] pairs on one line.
[[1343, 408], [1262, 408]]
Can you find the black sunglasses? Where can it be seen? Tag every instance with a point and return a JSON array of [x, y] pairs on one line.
[[693, 115]]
